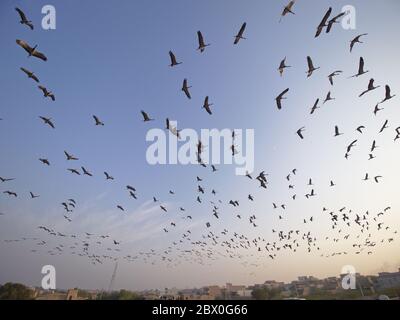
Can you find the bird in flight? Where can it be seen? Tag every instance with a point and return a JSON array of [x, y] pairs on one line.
[[47, 121], [70, 156], [202, 45], [207, 106], [323, 22], [146, 117], [315, 106], [47, 93], [24, 19], [279, 98], [173, 59], [185, 88], [240, 34], [287, 9], [98, 122], [300, 132], [86, 172], [328, 97], [11, 193], [360, 128], [388, 96], [385, 126], [334, 20], [74, 171], [370, 87], [31, 51], [45, 161], [33, 196], [337, 133], [361, 70], [282, 66], [6, 179], [356, 40], [311, 67], [334, 74], [108, 177], [30, 74]]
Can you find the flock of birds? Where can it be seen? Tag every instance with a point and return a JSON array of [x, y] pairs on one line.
[[349, 225]]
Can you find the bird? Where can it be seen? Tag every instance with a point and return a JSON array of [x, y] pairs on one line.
[[337, 133], [128, 187], [31, 51], [185, 88], [377, 178], [70, 156], [11, 193], [146, 117], [311, 67], [33, 196], [86, 172], [47, 121], [163, 208], [74, 171], [370, 87], [24, 19], [47, 93], [280, 97], [314, 107], [388, 96], [334, 74], [323, 22], [44, 161], [207, 105], [385, 126], [287, 9], [120, 208], [30, 74], [240, 34], [334, 20], [356, 40], [108, 177], [328, 97], [300, 132], [360, 128], [374, 146], [202, 45], [98, 122], [6, 179], [173, 59], [361, 70], [282, 66], [377, 109]]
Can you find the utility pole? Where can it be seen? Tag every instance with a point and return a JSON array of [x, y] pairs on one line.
[[110, 287]]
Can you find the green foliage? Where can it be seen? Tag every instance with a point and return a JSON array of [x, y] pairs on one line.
[[264, 293], [15, 291], [119, 295]]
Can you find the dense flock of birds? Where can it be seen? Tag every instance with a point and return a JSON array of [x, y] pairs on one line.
[[356, 229]]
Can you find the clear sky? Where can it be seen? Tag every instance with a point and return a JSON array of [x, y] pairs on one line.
[[110, 58]]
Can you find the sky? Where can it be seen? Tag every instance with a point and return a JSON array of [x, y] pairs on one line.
[[110, 59]]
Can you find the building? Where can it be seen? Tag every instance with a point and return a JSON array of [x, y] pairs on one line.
[[386, 280]]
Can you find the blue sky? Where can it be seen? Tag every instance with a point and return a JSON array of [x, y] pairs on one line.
[[112, 60]]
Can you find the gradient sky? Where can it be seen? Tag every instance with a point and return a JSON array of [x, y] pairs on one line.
[[111, 59]]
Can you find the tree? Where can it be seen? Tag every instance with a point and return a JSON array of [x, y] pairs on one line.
[[264, 293], [15, 291]]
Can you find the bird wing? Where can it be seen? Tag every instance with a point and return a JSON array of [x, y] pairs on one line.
[[172, 56], [22, 15], [39, 55], [24, 45], [200, 38], [361, 66], [310, 63]]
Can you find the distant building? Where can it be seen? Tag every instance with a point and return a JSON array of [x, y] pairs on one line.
[[387, 280]]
